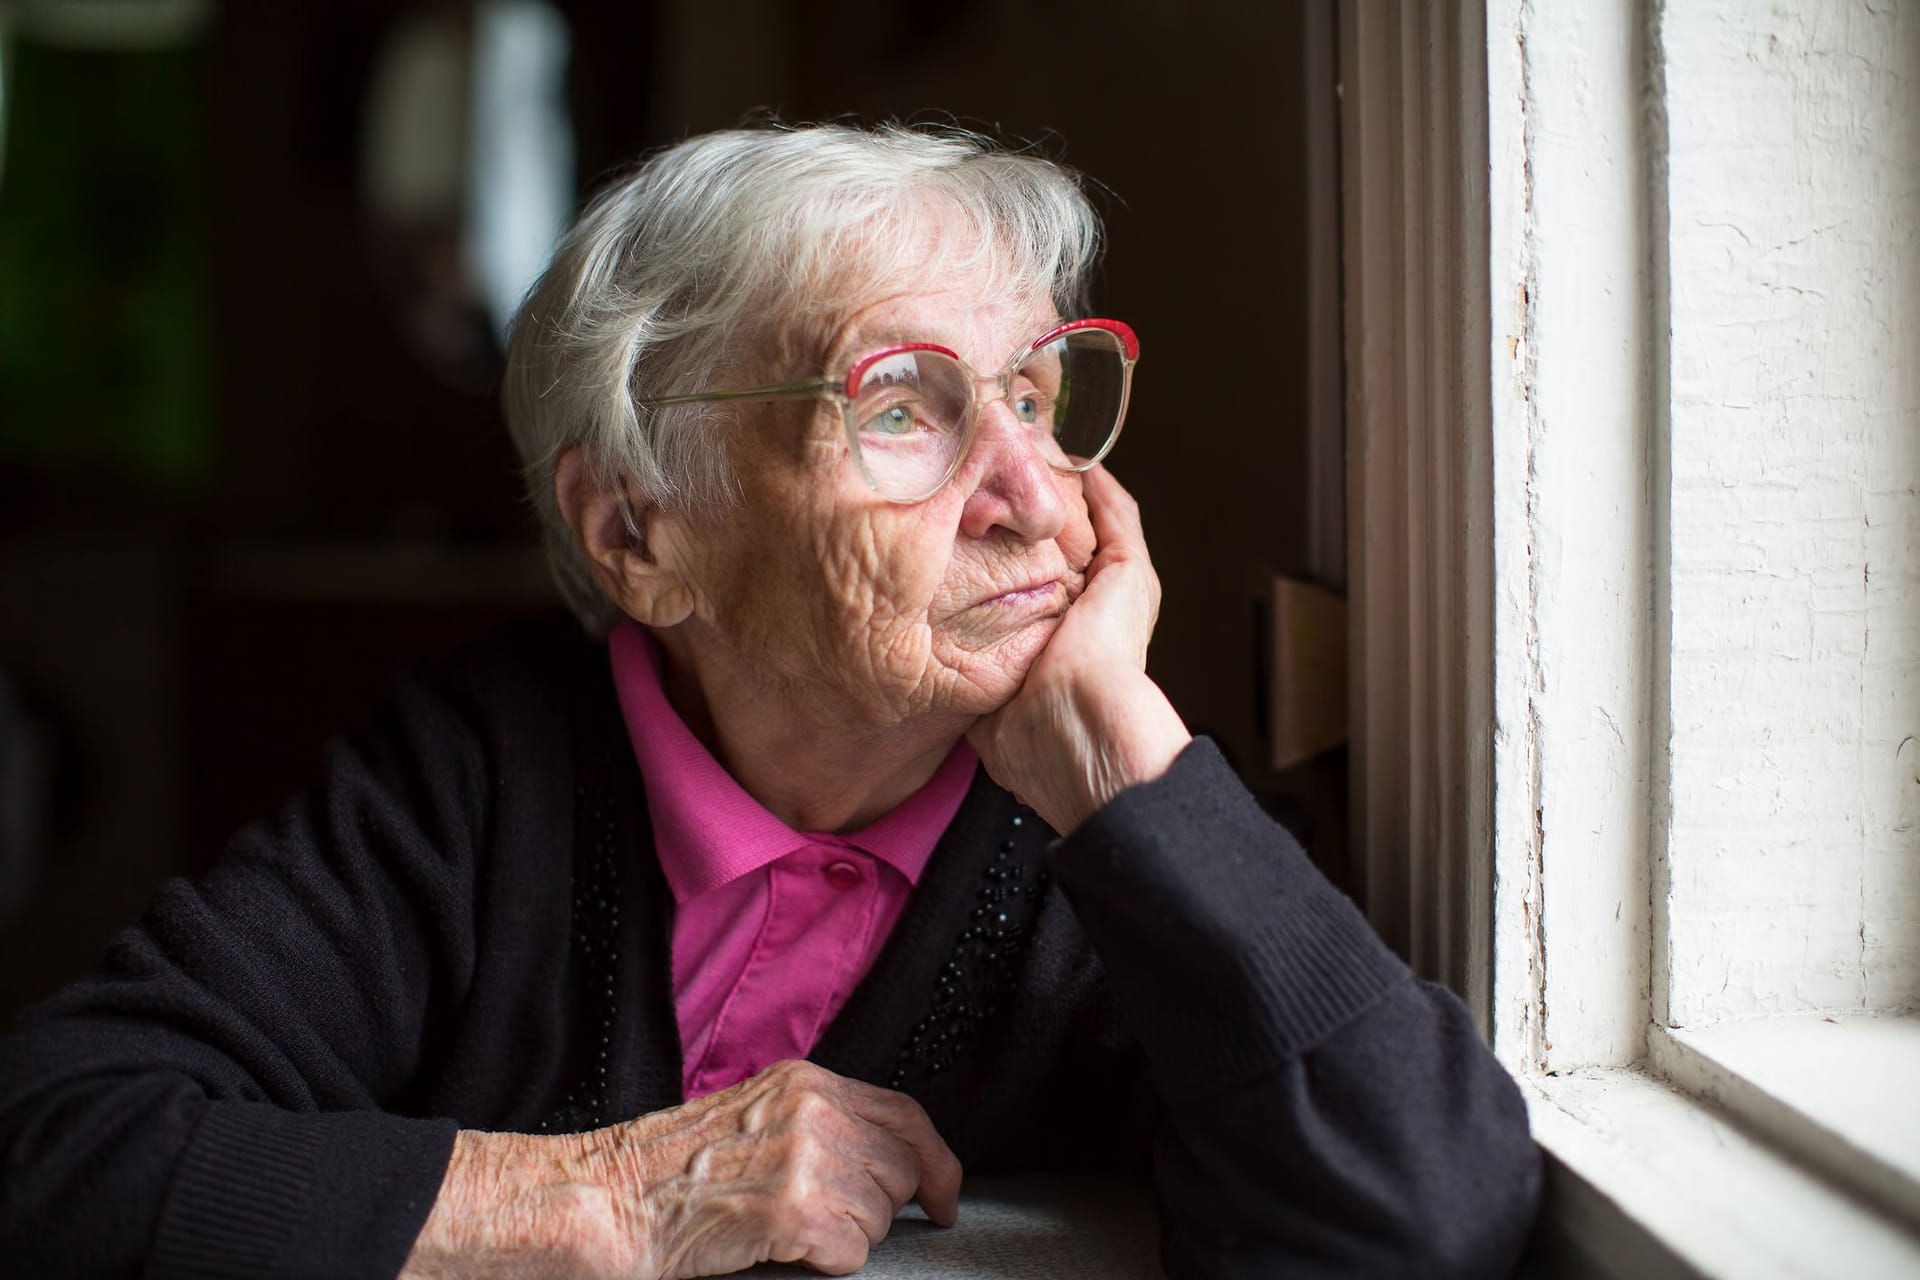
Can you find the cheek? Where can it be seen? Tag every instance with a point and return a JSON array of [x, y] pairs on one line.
[[854, 586], [788, 558], [815, 578], [1076, 538], [884, 569]]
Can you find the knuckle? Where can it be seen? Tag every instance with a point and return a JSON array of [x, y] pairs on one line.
[[811, 1108], [788, 1070], [808, 1156]]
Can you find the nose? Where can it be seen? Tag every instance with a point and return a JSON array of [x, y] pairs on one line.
[[1009, 484]]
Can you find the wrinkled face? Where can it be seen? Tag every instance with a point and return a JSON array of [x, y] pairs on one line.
[[829, 595]]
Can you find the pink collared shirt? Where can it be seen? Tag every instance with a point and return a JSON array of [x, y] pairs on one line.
[[773, 928]]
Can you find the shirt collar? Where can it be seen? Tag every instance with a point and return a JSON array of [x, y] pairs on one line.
[[708, 831]]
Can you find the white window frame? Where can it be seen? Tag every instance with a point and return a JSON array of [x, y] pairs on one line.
[[1504, 328]]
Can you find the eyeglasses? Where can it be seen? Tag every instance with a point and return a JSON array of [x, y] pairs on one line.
[[910, 410]]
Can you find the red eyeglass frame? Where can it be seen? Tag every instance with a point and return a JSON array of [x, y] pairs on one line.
[[846, 391]]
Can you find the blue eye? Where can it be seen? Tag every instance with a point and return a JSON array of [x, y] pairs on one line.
[[1027, 409], [894, 421]]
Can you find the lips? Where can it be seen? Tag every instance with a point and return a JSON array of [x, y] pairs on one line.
[[1017, 589], [1037, 586], [1049, 593]]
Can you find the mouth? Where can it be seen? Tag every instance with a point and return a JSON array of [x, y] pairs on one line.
[[1041, 593], [1028, 606]]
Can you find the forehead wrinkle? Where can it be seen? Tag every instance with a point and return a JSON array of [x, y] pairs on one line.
[[932, 241]]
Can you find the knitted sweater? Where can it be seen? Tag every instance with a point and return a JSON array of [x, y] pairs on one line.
[[463, 925]]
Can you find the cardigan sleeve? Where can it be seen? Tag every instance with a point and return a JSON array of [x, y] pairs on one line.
[[1326, 1114], [219, 1098]]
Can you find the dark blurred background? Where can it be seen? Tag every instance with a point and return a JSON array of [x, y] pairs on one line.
[[254, 259]]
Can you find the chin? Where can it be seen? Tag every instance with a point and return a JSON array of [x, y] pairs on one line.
[[994, 673]]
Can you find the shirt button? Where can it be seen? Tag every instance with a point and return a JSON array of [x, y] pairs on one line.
[[843, 875]]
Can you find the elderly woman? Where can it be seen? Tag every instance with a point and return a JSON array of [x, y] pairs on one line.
[[845, 844]]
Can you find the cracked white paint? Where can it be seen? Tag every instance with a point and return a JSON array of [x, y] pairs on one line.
[[1793, 838], [1691, 610], [1572, 599]]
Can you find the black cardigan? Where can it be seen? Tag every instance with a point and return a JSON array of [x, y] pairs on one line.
[[464, 925]]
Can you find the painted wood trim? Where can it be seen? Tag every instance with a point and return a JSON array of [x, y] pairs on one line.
[[1499, 301], [1572, 508]]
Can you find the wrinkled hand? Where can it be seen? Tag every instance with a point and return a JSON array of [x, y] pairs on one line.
[[794, 1165], [1087, 722]]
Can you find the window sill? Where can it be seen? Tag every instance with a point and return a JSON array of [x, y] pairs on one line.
[[1836, 1090], [1646, 1181]]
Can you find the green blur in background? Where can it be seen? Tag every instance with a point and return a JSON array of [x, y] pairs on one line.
[[103, 307]]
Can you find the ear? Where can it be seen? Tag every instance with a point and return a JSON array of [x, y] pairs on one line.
[[628, 547]]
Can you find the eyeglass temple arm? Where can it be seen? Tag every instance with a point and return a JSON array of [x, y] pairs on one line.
[[784, 391]]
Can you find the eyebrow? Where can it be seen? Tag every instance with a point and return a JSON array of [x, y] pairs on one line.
[[894, 338], [850, 353]]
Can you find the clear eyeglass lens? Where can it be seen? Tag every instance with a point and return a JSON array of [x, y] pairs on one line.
[[910, 412], [1079, 383], [909, 417]]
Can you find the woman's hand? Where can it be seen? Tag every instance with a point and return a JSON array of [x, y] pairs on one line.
[[1087, 721], [794, 1165]]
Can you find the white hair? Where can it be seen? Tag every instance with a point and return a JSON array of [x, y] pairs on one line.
[[710, 260]]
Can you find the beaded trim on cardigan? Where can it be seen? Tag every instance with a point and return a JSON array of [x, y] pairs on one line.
[[982, 968], [596, 948], [979, 972]]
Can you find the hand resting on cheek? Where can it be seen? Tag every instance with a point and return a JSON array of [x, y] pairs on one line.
[[1088, 722]]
